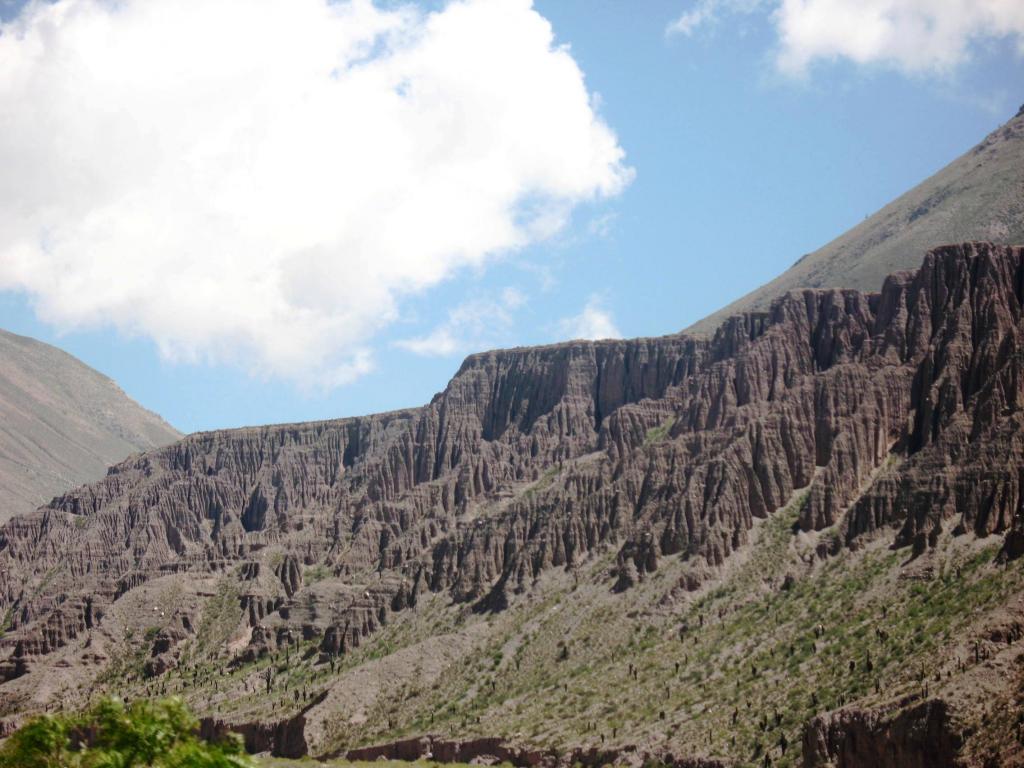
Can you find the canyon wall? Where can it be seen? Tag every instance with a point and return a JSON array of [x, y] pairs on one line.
[[898, 411]]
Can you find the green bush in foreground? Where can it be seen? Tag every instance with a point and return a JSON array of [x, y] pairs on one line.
[[161, 734]]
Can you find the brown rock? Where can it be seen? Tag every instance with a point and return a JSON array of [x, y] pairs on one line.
[[899, 412]]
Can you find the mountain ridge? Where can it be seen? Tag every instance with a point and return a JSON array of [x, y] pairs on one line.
[[638, 472], [63, 423], [978, 196]]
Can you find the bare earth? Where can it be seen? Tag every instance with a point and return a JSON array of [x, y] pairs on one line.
[[62, 424]]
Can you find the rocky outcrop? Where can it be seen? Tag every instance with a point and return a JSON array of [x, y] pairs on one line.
[[492, 751], [281, 739], [919, 736], [898, 411]]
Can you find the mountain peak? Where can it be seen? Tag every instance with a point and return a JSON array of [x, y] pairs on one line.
[[64, 423], [979, 196]]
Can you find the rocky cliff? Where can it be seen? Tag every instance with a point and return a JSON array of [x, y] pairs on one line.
[[897, 413], [916, 737]]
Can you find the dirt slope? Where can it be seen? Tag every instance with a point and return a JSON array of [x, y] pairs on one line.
[[62, 424]]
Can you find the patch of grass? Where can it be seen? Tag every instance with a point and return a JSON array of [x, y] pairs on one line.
[[221, 616], [543, 482], [280, 762], [660, 432], [315, 573]]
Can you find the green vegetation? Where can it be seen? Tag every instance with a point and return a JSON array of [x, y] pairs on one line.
[[220, 618], [278, 762], [315, 573], [660, 432], [543, 482], [731, 670], [114, 735]]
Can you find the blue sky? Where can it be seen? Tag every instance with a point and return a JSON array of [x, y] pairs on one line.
[[734, 166]]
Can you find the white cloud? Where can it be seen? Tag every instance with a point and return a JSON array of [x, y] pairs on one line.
[[513, 298], [263, 182], [593, 322], [703, 13], [688, 21], [440, 342], [602, 226], [471, 326], [913, 36]]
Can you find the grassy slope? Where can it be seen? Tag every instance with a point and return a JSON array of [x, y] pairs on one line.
[[277, 762]]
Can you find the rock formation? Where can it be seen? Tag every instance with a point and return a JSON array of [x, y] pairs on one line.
[[920, 736], [898, 412]]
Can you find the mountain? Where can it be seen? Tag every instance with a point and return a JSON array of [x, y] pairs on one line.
[[979, 196], [62, 424], [797, 541]]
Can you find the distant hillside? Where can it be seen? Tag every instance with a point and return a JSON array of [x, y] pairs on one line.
[[979, 196], [62, 424]]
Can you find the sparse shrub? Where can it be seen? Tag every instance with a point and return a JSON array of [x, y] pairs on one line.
[[660, 432], [315, 573]]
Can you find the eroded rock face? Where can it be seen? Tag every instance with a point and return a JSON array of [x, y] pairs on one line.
[[920, 736], [897, 410], [494, 751], [281, 739]]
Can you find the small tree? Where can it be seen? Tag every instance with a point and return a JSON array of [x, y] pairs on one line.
[[41, 743], [159, 734]]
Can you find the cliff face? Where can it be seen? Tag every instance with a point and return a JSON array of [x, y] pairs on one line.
[[398, 492], [919, 737], [897, 411]]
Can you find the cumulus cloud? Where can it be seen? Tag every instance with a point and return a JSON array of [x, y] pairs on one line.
[[472, 325], [263, 182], [593, 322], [914, 36]]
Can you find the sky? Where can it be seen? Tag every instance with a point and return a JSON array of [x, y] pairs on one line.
[[285, 210]]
